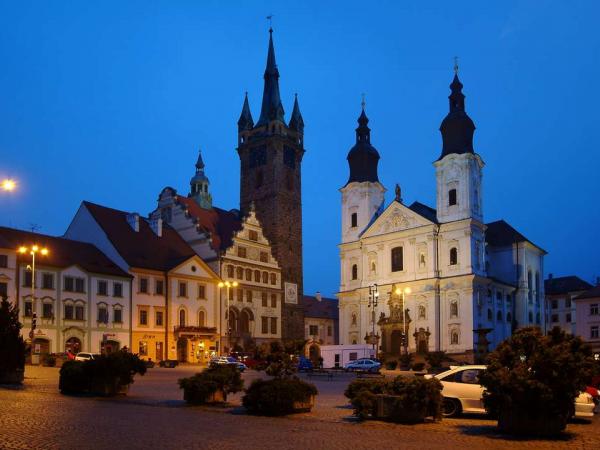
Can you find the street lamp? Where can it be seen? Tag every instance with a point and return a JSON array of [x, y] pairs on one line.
[[373, 300], [228, 285], [33, 250], [405, 310], [8, 185]]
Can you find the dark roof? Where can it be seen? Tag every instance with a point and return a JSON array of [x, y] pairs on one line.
[[326, 308], [143, 248], [564, 285], [424, 211], [62, 252], [501, 234], [245, 122], [272, 108], [296, 121], [221, 224], [592, 293], [363, 158], [457, 128]]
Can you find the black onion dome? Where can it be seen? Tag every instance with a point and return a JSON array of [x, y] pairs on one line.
[[363, 158], [457, 127]]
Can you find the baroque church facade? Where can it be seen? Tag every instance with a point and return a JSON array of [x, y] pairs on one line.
[[432, 279]]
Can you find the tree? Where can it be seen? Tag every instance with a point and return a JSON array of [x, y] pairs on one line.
[[12, 346], [532, 380]]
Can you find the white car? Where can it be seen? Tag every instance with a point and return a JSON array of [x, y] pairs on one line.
[[81, 356], [463, 393]]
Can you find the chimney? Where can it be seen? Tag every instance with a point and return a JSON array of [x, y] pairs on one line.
[[318, 296], [156, 225], [133, 219]]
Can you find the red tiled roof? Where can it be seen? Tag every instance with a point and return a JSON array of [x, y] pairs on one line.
[[564, 285], [143, 248], [592, 293], [326, 308], [219, 223], [62, 252]]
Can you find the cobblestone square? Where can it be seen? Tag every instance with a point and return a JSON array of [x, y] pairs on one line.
[[154, 415]]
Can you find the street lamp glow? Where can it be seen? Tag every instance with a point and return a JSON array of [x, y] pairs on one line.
[[407, 290], [9, 185], [44, 251], [22, 249], [234, 284], [221, 284]]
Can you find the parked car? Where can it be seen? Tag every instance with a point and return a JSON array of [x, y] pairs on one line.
[[149, 363], [228, 360], [463, 393], [304, 364], [83, 356], [169, 363], [363, 365]]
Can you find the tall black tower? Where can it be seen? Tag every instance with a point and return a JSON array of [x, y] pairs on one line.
[[270, 154]]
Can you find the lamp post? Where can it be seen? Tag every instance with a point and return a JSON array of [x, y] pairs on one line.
[[33, 250], [228, 285], [373, 301], [405, 310]]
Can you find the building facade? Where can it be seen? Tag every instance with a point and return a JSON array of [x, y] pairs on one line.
[[560, 293], [587, 314], [432, 279], [271, 153], [80, 300], [175, 296], [321, 319]]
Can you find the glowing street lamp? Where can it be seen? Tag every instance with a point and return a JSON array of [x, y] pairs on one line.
[[227, 285], [33, 250], [8, 185]]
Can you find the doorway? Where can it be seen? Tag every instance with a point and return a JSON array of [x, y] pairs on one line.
[[182, 346], [73, 345], [159, 351]]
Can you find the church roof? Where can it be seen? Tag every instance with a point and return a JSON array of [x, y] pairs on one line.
[[62, 252], [221, 224], [564, 285], [326, 308], [363, 158], [143, 248], [424, 211]]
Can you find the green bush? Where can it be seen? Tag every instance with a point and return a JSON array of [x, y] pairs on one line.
[[277, 397], [50, 360], [532, 380], [435, 359], [104, 375], [199, 388], [405, 360], [374, 385], [391, 364], [417, 367], [12, 346]]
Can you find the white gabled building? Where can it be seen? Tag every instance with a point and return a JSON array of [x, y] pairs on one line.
[[442, 276]]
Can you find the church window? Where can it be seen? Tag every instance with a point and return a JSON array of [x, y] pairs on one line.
[[422, 260], [454, 308], [397, 259], [490, 315], [354, 271], [529, 286], [248, 275], [499, 297], [453, 256], [454, 337], [257, 276], [239, 272], [354, 220], [508, 298], [230, 271], [289, 157], [499, 316], [422, 312], [452, 197], [354, 318], [537, 288], [258, 156]]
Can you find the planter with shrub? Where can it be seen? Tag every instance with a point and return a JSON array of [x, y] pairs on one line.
[[435, 360], [391, 364], [402, 400], [418, 367], [405, 361], [106, 375], [12, 346], [532, 381], [211, 385]]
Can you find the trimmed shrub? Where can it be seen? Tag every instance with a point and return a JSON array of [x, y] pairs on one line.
[[405, 360], [391, 364], [12, 346], [278, 397], [202, 387], [417, 367], [49, 360], [532, 380], [73, 379], [435, 359], [374, 385]]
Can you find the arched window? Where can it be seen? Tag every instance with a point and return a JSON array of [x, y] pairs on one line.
[[102, 313], [239, 272], [454, 337], [354, 271], [265, 277], [453, 256], [230, 271], [499, 316], [354, 220], [454, 308], [354, 318], [509, 317], [452, 197], [248, 275], [397, 259], [182, 317], [201, 318], [257, 276], [490, 315], [422, 312]]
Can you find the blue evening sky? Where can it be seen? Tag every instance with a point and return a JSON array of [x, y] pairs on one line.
[[110, 101]]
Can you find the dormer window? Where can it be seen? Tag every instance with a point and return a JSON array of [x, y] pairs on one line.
[[354, 220], [452, 197]]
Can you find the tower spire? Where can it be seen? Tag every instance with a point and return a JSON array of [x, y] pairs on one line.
[[363, 158], [199, 185], [245, 121], [296, 121], [272, 108]]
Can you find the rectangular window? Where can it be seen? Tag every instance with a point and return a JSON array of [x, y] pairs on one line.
[[47, 311], [273, 325], [264, 325], [3, 260], [594, 309], [158, 315], [143, 317], [79, 312], [28, 309], [264, 257], [118, 315], [264, 298], [273, 300], [143, 348], [452, 197], [353, 356], [567, 302], [554, 304], [397, 259], [230, 294], [253, 235], [103, 314], [3, 290], [69, 312], [554, 318], [47, 281], [354, 220], [182, 289], [313, 330], [568, 319], [69, 284], [594, 332], [102, 287], [117, 289], [249, 296], [159, 287], [79, 285], [240, 294], [201, 291], [329, 330], [27, 279], [241, 252], [143, 285]]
